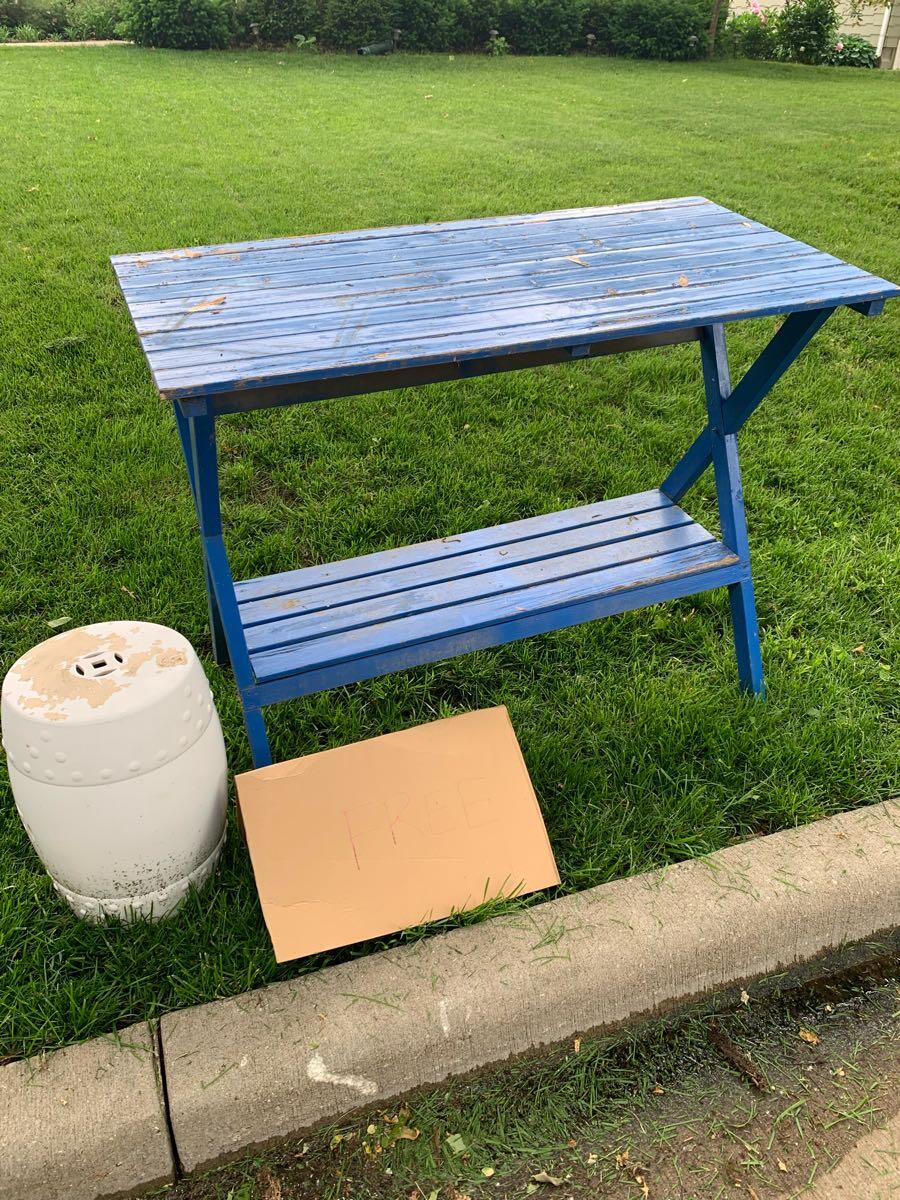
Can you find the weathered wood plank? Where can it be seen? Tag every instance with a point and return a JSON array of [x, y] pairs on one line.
[[440, 550], [617, 316], [563, 237], [499, 584], [242, 401], [389, 232], [489, 611], [396, 326], [589, 284], [408, 582], [395, 271], [430, 283], [281, 312], [630, 261], [533, 624]]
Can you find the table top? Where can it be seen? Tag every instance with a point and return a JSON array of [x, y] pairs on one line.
[[292, 311]]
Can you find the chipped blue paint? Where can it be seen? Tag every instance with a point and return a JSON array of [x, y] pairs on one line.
[[251, 325]]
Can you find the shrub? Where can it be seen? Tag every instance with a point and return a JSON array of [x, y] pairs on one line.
[[541, 26], [27, 33], [424, 24], [13, 13], [280, 21], [852, 51], [179, 24], [595, 17], [472, 22], [244, 14], [806, 30], [5, 33], [92, 19], [45, 16], [666, 29], [751, 35], [349, 24]]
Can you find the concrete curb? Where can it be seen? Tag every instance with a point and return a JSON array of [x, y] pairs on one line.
[[870, 1170], [86, 1121], [245, 1072], [91, 1120]]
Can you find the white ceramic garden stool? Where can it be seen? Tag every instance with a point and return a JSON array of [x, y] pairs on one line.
[[117, 764]]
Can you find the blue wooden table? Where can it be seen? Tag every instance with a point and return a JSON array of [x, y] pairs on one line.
[[230, 328]]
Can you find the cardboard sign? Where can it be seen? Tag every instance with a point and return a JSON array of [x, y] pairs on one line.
[[381, 835]]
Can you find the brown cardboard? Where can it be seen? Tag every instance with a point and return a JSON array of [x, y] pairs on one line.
[[364, 840]]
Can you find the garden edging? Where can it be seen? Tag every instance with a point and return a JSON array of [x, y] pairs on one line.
[[245, 1072]]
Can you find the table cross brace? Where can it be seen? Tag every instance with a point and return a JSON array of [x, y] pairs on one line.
[[784, 348]]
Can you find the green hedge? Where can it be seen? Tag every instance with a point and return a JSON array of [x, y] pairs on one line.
[[667, 29], [279, 21], [473, 21], [47, 17], [595, 17], [179, 24], [541, 26], [804, 31], [93, 19], [425, 24], [75, 20], [348, 24], [672, 29]]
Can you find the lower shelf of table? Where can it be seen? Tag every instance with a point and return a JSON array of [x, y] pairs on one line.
[[318, 627]]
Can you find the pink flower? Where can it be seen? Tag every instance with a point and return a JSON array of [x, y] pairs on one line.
[[754, 7], [839, 46]]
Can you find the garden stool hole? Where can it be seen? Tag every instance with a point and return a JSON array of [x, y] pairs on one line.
[[98, 664]]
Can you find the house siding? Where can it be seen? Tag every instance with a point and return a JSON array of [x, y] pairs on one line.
[[890, 53]]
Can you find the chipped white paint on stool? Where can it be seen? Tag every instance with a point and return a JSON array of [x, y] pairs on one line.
[[117, 764]]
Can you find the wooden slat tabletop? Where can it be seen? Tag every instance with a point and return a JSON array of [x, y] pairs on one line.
[[289, 311]]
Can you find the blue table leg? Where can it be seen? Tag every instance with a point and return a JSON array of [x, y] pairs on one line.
[[255, 724], [216, 629], [729, 492], [204, 471], [716, 446]]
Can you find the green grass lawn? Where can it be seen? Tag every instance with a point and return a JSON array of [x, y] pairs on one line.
[[640, 747]]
